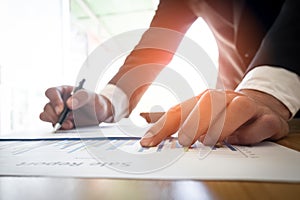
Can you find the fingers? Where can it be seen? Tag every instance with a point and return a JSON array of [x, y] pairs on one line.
[[49, 115], [55, 106], [207, 118], [165, 126], [53, 109], [152, 117], [239, 111], [217, 116], [197, 121], [88, 108], [266, 126], [67, 124], [82, 104], [193, 116], [57, 95], [79, 99], [169, 123], [93, 105]]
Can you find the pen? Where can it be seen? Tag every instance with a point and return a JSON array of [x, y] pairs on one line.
[[66, 110]]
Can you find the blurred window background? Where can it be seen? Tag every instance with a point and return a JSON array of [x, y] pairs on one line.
[[43, 43]]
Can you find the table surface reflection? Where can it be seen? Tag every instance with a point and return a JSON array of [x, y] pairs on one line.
[[89, 188]]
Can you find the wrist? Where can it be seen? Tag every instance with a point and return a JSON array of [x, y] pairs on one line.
[[106, 113], [278, 82], [269, 101], [117, 101]]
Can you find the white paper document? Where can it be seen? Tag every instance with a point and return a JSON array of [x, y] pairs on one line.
[[123, 157]]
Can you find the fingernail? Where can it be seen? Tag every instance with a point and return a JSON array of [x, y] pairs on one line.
[[149, 134], [145, 142], [146, 139], [184, 140]]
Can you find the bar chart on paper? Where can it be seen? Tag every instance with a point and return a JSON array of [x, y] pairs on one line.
[[130, 145], [82, 158]]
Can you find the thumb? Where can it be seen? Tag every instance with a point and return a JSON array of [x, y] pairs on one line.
[[78, 100]]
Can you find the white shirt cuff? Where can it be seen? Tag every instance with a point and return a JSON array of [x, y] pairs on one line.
[[119, 102], [278, 82]]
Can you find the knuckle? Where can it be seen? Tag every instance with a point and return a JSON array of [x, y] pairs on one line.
[[175, 109], [271, 122], [47, 107], [48, 91], [275, 125], [42, 116], [244, 103]]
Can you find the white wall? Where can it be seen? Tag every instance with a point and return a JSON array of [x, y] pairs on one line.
[[31, 59]]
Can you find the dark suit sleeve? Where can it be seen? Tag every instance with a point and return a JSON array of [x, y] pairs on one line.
[[281, 45]]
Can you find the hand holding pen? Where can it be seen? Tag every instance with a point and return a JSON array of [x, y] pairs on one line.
[[68, 105], [66, 110]]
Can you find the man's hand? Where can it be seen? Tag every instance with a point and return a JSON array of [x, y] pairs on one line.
[[87, 108], [245, 117]]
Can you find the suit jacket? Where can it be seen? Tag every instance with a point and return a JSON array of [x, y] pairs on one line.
[[249, 33]]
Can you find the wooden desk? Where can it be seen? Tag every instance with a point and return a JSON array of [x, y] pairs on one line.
[[80, 188]]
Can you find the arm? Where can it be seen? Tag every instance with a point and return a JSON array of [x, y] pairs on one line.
[[275, 69], [252, 113], [154, 51], [280, 47]]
